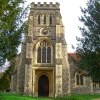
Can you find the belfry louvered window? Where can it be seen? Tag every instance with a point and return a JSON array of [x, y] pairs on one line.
[[38, 19], [44, 52], [50, 20], [44, 19]]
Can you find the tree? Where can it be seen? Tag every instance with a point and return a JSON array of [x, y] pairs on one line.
[[6, 78], [4, 82], [10, 69], [88, 48], [12, 27]]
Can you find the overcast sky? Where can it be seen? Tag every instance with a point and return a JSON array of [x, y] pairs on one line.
[[70, 11]]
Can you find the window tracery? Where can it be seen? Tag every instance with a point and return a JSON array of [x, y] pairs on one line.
[[79, 78], [44, 52]]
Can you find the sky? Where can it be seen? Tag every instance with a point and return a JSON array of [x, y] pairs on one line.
[[70, 11]]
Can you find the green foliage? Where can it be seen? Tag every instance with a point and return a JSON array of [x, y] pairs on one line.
[[10, 69], [5, 80], [12, 27], [88, 49]]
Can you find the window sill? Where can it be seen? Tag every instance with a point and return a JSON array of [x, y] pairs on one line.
[[79, 86], [43, 65]]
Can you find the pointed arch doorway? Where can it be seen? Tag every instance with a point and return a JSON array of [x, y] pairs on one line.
[[43, 86]]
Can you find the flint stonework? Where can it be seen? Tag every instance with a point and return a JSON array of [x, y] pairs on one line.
[[44, 63]]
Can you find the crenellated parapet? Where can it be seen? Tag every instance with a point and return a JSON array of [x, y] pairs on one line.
[[44, 5]]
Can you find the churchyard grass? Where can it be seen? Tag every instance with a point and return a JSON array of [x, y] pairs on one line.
[[13, 96], [82, 97]]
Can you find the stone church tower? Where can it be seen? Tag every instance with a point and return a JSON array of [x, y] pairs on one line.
[[42, 68]]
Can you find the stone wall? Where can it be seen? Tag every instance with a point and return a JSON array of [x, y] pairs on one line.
[[17, 80], [87, 82], [96, 87], [21, 70], [65, 71], [14, 82]]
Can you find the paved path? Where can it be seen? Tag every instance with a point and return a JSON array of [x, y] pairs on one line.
[[97, 99]]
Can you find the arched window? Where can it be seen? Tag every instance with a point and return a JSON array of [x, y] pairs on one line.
[[44, 52], [38, 19], [50, 20], [44, 19], [79, 78]]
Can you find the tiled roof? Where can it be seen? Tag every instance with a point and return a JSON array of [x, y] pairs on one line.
[[73, 55]]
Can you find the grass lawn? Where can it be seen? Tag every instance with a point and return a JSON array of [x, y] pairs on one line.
[[12, 96], [82, 97]]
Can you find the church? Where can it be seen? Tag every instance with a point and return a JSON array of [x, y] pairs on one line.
[[44, 68]]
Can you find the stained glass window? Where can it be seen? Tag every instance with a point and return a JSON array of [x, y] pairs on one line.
[[48, 55], [44, 55], [39, 55], [44, 52]]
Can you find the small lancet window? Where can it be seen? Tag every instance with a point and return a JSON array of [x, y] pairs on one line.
[[81, 79], [38, 19], [77, 79], [44, 19], [50, 19]]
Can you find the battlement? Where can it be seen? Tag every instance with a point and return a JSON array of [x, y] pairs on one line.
[[44, 5]]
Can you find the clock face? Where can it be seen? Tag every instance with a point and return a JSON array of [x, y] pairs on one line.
[[45, 31]]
